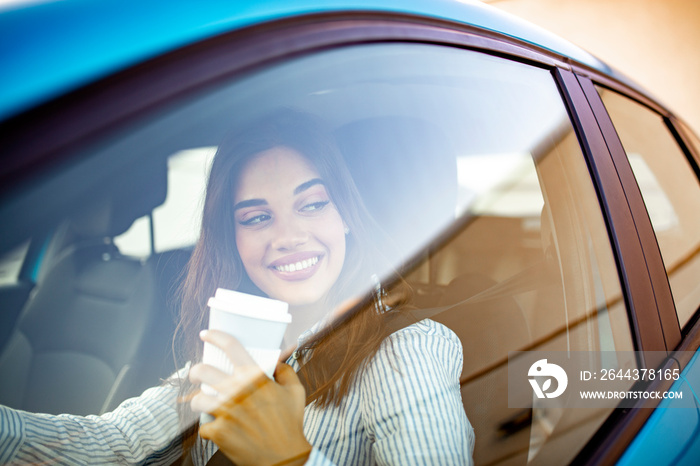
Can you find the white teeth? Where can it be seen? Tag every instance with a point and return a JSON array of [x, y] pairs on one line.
[[305, 264]]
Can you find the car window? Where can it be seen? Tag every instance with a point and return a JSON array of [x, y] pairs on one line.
[[479, 197], [670, 190], [11, 264], [176, 221]]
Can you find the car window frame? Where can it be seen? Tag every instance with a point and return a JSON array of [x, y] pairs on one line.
[[675, 130], [67, 124], [665, 316], [614, 437], [674, 336], [680, 132]]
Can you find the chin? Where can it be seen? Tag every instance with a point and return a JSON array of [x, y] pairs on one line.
[[297, 299], [300, 293]]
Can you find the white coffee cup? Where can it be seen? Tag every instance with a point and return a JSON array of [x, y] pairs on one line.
[[257, 323]]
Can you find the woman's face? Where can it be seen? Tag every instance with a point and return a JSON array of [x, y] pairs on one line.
[[289, 234]]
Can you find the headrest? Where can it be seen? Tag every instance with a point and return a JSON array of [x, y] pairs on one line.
[[114, 209]]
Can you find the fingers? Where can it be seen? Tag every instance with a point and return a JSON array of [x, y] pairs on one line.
[[203, 403], [211, 431], [285, 375], [235, 401], [229, 345], [242, 381], [204, 373], [289, 381], [264, 425]]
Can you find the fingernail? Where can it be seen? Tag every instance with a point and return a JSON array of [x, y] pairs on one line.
[[203, 334]]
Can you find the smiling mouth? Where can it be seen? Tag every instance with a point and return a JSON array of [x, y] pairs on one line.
[[297, 266]]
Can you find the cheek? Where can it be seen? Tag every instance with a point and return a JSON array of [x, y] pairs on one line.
[[342, 250], [335, 238]]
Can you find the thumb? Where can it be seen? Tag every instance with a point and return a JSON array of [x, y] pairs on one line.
[[285, 375]]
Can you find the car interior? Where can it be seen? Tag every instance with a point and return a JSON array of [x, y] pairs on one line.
[[521, 264], [94, 312]]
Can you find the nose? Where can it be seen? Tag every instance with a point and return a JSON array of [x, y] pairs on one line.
[[288, 234]]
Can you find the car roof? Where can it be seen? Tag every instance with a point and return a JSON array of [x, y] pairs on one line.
[[50, 47]]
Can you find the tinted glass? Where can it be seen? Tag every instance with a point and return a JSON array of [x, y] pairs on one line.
[[671, 193], [480, 214]]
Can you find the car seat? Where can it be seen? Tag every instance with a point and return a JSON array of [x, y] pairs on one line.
[[78, 337], [489, 328]]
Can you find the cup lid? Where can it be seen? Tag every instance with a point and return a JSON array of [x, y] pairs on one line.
[[250, 305]]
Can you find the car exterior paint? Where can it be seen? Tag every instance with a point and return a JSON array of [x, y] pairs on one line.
[[80, 41], [672, 433]]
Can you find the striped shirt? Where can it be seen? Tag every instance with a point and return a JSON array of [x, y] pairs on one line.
[[405, 409]]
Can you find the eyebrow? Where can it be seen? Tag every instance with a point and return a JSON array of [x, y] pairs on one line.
[[304, 186], [249, 203], [258, 202]]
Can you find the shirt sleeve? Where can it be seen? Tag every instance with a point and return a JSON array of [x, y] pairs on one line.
[[411, 400], [317, 458], [142, 430]]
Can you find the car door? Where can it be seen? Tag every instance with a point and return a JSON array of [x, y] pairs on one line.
[[478, 155]]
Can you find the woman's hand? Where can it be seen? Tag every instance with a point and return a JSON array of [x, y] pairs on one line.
[[257, 420]]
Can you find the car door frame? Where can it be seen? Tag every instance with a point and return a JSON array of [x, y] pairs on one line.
[[680, 345]]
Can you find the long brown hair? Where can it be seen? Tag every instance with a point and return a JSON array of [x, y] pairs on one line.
[[338, 354]]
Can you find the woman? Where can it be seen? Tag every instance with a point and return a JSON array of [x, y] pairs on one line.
[[283, 219]]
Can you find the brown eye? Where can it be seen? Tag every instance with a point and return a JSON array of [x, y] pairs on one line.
[[255, 220], [314, 206]]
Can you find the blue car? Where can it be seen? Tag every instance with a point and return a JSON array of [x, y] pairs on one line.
[[527, 201]]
